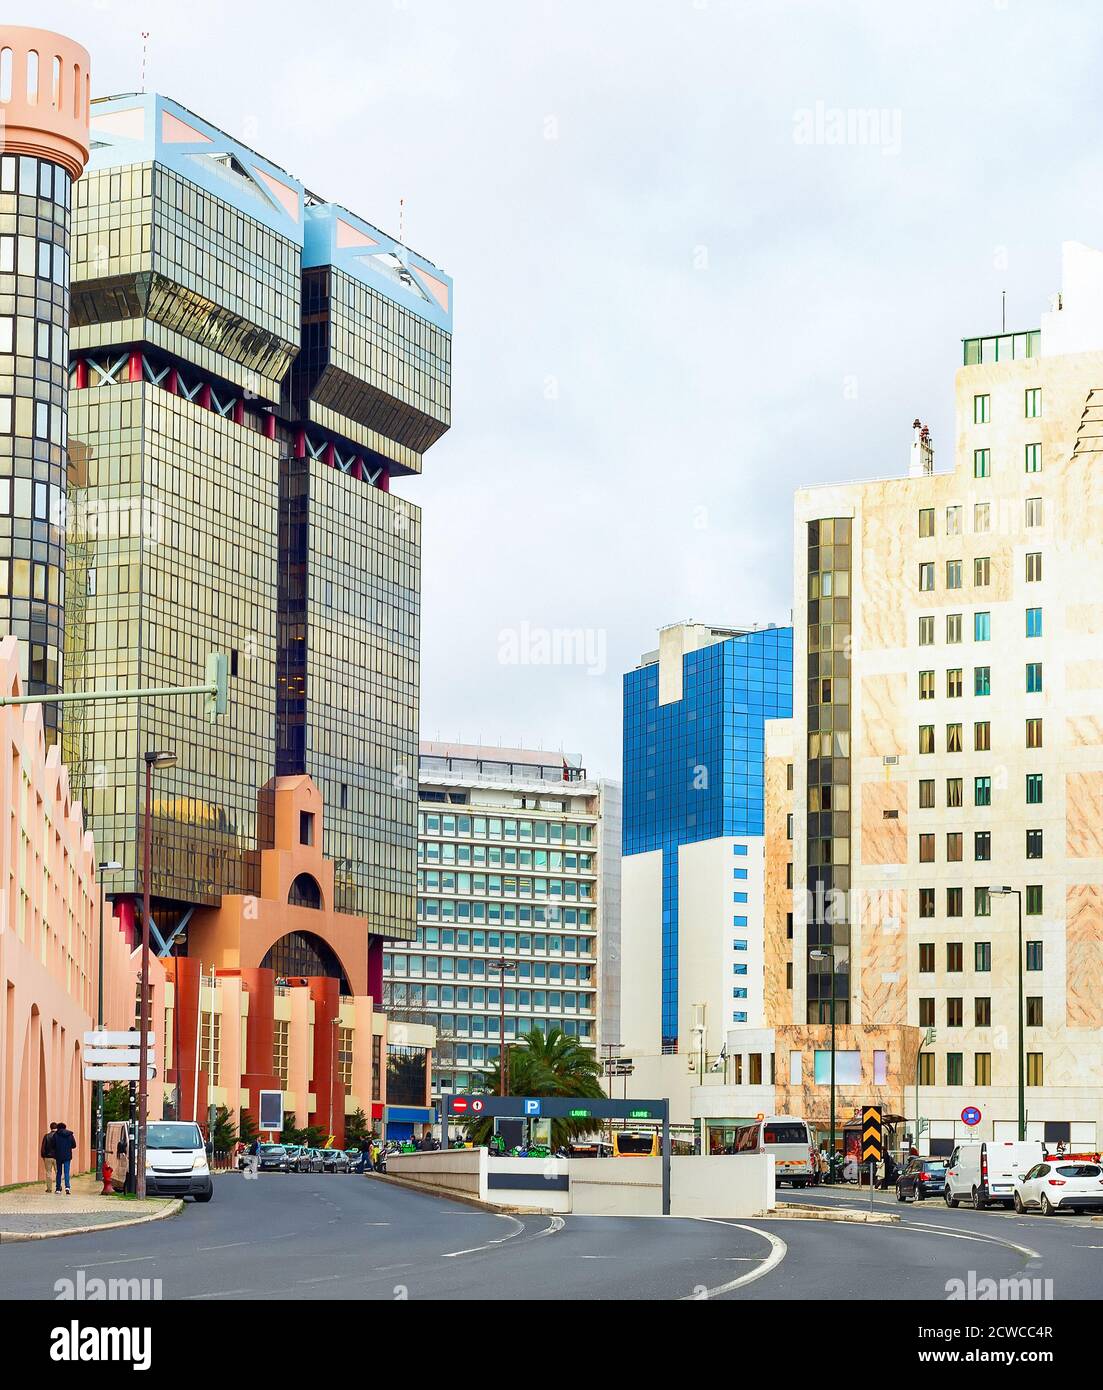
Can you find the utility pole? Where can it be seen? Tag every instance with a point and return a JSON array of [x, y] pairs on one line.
[[501, 966]]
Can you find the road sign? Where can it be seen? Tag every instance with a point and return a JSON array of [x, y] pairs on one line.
[[970, 1115], [476, 1107], [130, 1038], [115, 1055], [872, 1134], [458, 1105], [532, 1107], [557, 1108], [106, 1073]]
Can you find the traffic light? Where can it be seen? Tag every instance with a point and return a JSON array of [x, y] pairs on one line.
[[218, 677]]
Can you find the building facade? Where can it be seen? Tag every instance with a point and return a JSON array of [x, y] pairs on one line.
[[947, 738], [251, 368], [693, 871], [509, 853]]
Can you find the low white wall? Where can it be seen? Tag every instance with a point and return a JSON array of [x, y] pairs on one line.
[[727, 1185], [445, 1170], [541, 1183]]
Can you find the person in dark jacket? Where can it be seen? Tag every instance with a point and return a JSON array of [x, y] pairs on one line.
[[65, 1141], [49, 1155]]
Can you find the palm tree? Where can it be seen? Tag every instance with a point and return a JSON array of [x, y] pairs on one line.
[[549, 1064]]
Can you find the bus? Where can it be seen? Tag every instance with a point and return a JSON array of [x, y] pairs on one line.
[[636, 1143], [787, 1138]]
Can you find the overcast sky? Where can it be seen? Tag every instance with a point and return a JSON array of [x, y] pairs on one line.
[[683, 286]]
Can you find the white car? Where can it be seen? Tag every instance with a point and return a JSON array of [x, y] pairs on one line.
[[1060, 1185]]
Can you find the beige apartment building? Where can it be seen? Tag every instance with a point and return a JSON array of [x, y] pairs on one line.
[[947, 737]]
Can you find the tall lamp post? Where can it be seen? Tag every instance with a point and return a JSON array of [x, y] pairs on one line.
[[828, 954], [108, 866], [1003, 891], [159, 760], [501, 966]]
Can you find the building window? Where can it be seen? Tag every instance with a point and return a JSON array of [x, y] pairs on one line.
[[1033, 460], [982, 627], [926, 631], [926, 685], [926, 957], [1034, 844], [1034, 955], [982, 407], [1034, 733], [788, 974], [306, 827], [926, 1013], [926, 849], [1034, 1015], [210, 1048], [926, 522], [953, 628], [926, 1068], [982, 791], [982, 1011], [982, 902], [982, 680], [953, 902], [1033, 677], [954, 1012], [982, 571], [926, 902], [344, 1058], [926, 576], [1033, 566], [982, 516], [926, 793], [953, 683], [280, 1030], [982, 736], [953, 738], [982, 465], [926, 738], [982, 845], [982, 1069], [953, 847], [982, 956], [953, 791], [1034, 511], [1033, 409], [1035, 1071], [1034, 622], [955, 1070], [953, 521], [953, 574], [1033, 788], [954, 957]]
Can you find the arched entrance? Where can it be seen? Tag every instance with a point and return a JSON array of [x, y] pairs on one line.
[[304, 953]]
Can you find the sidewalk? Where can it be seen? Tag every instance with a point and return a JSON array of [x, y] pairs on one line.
[[30, 1212]]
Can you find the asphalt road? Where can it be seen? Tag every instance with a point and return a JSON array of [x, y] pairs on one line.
[[316, 1236]]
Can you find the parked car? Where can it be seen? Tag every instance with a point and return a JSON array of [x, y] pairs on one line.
[[1057, 1185], [272, 1158], [309, 1160], [983, 1172], [334, 1161], [921, 1178], [176, 1161]]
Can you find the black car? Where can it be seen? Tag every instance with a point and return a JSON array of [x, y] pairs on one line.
[[921, 1177], [273, 1158]]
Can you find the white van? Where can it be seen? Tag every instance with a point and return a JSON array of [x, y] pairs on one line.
[[176, 1161], [983, 1172]]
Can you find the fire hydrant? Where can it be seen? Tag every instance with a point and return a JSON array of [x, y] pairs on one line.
[[108, 1191]]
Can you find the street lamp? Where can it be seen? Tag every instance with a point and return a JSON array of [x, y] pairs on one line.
[[829, 955], [159, 760], [1003, 891], [501, 966], [108, 866]]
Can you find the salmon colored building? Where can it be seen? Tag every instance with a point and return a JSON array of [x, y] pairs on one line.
[[278, 992], [49, 943]]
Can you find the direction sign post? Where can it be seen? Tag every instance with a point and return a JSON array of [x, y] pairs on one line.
[[873, 1142]]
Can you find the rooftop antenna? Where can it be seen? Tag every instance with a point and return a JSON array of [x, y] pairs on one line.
[[145, 56], [1003, 325]]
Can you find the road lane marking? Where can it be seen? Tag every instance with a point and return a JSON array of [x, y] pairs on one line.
[[980, 1236], [778, 1251], [222, 1293], [555, 1224], [228, 1246], [98, 1264]]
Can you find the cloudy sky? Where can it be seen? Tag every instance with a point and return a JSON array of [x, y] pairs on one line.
[[704, 252]]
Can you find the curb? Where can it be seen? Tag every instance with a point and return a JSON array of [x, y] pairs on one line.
[[430, 1190], [172, 1208], [791, 1211]]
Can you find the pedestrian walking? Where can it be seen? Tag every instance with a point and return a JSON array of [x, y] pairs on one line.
[[65, 1142], [49, 1155]]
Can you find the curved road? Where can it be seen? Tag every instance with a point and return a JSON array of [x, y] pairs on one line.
[[317, 1236]]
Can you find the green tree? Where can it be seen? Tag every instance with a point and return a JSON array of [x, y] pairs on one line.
[[116, 1101], [246, 1128], [290, 1134], [224, 1132], [357, 1127], [547, 1065]]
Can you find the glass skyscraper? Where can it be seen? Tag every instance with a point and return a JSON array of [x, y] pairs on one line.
[[694, 747]]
